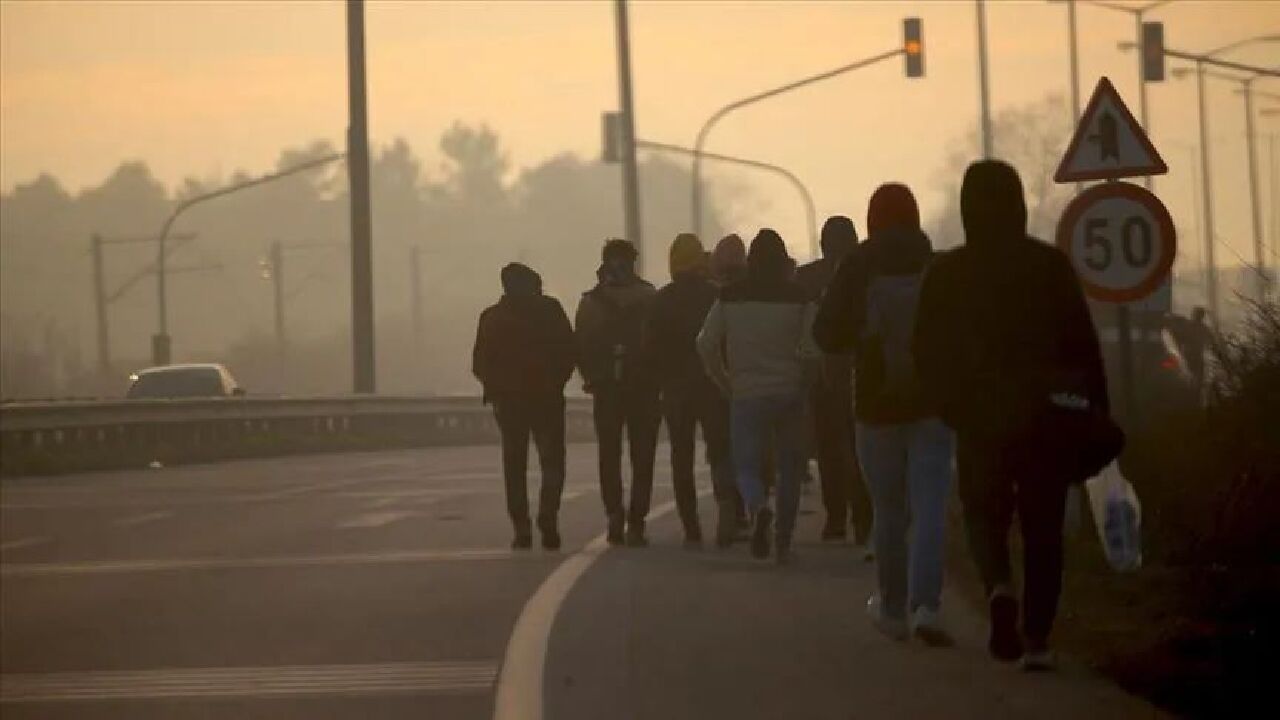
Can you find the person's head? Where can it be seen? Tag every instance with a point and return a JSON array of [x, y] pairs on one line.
[[838, 237], [1197, 314], [729, 259], [520, 280], [767, 261], [687, 256], [991, 203], [619, 258], [892, 206]]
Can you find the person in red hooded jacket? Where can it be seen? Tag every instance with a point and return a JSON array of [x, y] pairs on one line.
[[904, 448]]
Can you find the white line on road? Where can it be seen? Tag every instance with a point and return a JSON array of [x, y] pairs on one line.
[[105, 567], [519, 691], [134, 520], [24, 542], [402, 677], [375, 519]]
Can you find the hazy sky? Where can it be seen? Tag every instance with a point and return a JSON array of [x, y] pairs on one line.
[[205, 88]]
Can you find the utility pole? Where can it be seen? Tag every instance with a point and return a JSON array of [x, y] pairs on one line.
[[277, 283], [1206, 186], [630, 174], [1259, 251], [362, 347], [415, 297], [100, 306], [983, 89]]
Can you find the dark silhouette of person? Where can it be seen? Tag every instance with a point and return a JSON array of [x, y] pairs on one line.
[[728, 262], [1193, 339], [831, 402], [689, 398], [1002, 322], [610, 328], [755, 344], [905, 450], [524, 355]]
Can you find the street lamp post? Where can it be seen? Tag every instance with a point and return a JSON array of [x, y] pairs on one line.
[[626, 101], [718, 115], [984, 92], [160, 341], [805, 196]]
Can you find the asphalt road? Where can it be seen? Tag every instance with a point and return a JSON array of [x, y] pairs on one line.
[[379, 585]]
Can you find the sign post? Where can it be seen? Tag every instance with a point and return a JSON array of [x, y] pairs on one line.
[[1118, 236]]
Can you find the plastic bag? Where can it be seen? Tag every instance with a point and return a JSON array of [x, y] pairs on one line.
[[1118, 516]]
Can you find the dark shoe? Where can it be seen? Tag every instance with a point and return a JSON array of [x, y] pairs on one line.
[[523, 541], [636, 538], [550, 533], [784, 555], [834, 531], [726, 524], [616, 528], [1005, 643], [692, 542], [762, 533]]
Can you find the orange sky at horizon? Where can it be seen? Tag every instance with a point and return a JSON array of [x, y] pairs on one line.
[[86, 85]]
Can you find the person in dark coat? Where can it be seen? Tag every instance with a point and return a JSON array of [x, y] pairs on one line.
[[905, 450], [524, 355], [1002, 322], [844, 494], [610, 329], [689, 398]]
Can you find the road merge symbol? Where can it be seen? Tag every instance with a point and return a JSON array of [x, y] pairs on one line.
[[1108, 143], [1120, 240]]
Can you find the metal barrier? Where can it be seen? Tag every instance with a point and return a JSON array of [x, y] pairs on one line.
[[52, 437]]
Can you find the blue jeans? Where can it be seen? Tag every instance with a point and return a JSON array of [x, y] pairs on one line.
[[908, 471], [752, 421]]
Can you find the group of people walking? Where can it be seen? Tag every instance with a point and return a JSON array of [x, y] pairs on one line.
[[896, 366]]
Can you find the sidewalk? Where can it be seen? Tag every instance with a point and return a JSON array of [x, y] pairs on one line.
[[666, 633]]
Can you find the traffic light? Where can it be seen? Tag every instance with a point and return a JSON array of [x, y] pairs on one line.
[[913, 46], [1152, 52], [611, 137]]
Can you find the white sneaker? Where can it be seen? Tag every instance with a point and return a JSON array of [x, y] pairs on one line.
[[891, 628], [1037, 661], [926, 625]]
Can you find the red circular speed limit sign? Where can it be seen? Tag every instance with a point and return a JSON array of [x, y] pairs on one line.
[[1120, 239]]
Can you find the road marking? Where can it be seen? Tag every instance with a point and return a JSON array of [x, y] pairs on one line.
[[134, 520], [108, 567], [519, 688], [375, 519], [373, 679], [24, 542]]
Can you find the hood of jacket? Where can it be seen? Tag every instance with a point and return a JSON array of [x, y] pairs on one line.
[[992, 206]]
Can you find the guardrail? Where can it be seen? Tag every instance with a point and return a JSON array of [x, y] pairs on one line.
[[53, 437]]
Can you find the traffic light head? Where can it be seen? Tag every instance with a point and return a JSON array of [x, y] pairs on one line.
[[1152, 52], [611, 137], [913, 46]]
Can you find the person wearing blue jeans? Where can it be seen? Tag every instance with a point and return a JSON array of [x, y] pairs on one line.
[[908, 470], [756, 346], [752, 421], [904, 449]]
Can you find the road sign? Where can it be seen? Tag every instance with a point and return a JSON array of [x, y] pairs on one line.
[[1121, 241], [1108, 143]]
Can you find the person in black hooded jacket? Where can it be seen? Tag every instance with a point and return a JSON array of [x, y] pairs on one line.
[[524, 355], [1002, 324], [844, 494]]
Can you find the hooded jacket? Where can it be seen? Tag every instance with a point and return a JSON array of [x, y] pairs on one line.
[[612, 313], [1002, 321], [896, 246], [756, 340], [839, 238], [524, 346], [676, 316]]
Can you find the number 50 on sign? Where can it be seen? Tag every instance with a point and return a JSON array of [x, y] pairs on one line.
[[1120, 239]]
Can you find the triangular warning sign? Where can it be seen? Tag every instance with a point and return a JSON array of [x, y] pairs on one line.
[[1108, 142]]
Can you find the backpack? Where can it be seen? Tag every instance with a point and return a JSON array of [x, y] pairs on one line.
[[619, 360], [890, 325]]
